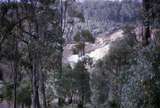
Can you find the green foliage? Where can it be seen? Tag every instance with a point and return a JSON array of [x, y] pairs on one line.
[[65, 85], [126, 11], [154, 90], [128, 29], [129, 32], [74, 82], [37, 36], [154, 13], [87, 35], [110, 73], [77, 37], [24, 93], [47, 2], [76, 13], [8, 91], [7, 6], [81, 38], [84, 36], [157, 38], [82, 80], [113, 104], [151, 85], [80, 16]]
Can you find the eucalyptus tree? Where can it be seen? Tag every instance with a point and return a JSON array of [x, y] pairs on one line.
[[151, 18], [147, 12], [46, 44], [82, 86], [69, 14], [10, 32], [80, 72], [81, 38], [35, 31]]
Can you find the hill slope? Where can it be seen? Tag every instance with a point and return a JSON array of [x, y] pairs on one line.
[[96, 51]]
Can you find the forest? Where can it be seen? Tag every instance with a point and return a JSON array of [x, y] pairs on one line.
[[79, 54]]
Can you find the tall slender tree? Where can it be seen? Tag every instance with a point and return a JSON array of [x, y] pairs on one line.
[[146, 8]]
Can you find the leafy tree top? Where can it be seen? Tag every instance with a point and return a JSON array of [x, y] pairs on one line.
[[84, 36]]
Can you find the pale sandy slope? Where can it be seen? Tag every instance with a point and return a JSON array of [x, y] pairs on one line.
[[96, 51]]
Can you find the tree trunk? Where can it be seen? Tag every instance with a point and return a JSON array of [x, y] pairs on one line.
[[22, 106], [83, 100], [147, 35], [15, 71], [35, 85], [43, 89], [15, 86]]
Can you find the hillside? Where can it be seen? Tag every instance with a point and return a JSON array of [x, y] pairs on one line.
[[96, 51], [104, 17], [107, 16]]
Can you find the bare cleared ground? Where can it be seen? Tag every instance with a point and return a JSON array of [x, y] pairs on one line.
[[94, 49], [4, 104]]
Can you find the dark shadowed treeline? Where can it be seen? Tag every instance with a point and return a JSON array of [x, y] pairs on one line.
[[31, 42]]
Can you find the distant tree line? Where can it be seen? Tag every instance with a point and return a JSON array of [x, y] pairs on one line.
[[125, 11]]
